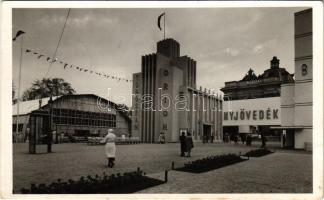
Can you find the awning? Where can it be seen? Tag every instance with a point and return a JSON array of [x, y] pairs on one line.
[[289, 127]]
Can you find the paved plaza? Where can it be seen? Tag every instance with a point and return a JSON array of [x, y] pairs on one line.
[[285, 171]]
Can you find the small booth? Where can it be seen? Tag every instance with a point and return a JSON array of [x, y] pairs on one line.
[[40, 132]]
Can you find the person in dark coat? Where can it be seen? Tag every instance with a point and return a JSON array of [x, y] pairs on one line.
[[243, 138], [189, 144], [235, 138], [248, 140], [182, 139], [263, 140]]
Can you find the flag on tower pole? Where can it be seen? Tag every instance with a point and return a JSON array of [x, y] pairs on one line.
[[159, 23]]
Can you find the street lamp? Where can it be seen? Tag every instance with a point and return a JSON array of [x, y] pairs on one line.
[[49, 133]]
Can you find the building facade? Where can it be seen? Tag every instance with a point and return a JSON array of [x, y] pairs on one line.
[[290, 112], [79, 115], [252, 116], [166, 99], [297, 97], [262, 86], [252, 105]]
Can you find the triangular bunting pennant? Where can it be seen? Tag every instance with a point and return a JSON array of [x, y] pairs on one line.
[[52, 60]]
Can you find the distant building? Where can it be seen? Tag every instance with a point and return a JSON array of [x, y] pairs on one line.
[[274, 102], [167, 83], [297, 97], [262, 86], [252, 105], [72, 115]]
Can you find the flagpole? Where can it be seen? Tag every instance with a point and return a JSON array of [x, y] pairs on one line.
[[164, 26], [58, 44], [19, 83]]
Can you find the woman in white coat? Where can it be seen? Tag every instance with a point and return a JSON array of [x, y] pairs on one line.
[[110, 148]]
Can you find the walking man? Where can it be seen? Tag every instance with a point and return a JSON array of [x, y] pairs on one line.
[[263, 139], [189, 144], [182, 139]]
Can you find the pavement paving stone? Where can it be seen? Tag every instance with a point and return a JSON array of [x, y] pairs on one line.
[[283, 171]]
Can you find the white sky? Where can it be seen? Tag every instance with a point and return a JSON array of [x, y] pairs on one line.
[[225, 42]]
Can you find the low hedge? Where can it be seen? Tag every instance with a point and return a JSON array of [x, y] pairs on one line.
[[211, 163], [258, 152], [114, 184]]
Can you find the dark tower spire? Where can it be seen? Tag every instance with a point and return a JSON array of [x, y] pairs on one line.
[[275, 63]]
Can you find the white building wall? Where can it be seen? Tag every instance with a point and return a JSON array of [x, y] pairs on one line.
[[303, 116], [287, 116], [287, 94], [303, 78], [303, 47], [136, 100], [297, 99], [244, 129], [302, 137], [253, 110], [287, 104], [303, 92], [177, 121]]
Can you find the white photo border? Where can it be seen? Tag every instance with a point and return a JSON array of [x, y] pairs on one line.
[[6, 163]]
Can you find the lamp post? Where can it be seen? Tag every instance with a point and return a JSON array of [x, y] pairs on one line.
[[49, 133], [19, 84]]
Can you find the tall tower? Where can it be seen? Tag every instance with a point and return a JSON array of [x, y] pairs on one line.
[[303, 78], [165, 79], [162, 75], [297, 98]]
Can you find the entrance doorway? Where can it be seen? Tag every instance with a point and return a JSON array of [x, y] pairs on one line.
[[289, 139], [206, 132]]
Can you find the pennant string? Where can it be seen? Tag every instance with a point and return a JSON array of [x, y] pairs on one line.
[[53, 60]]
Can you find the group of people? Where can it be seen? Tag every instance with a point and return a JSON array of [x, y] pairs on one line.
[[186, 144], [227, 138], [207, 138], [247, 139]]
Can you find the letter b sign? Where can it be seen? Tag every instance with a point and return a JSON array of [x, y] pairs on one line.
[[304, 69]]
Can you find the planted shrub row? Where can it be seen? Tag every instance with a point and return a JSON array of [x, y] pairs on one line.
[[211, 163], [258, 152], [114, 184]]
